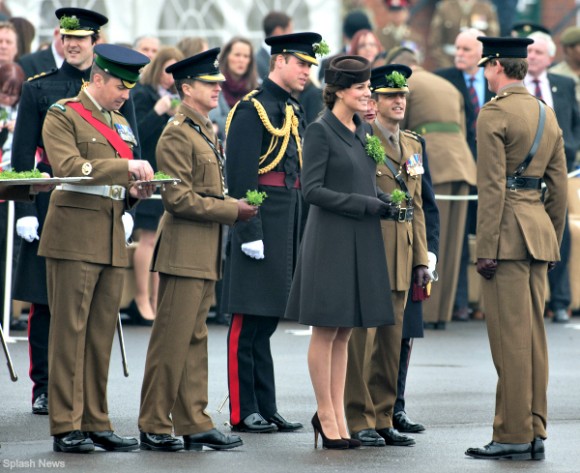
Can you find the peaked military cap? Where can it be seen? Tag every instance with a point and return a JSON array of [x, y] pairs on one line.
[[202, 66], [396, 52], [120, 62], [80, 22], [302, 45], [390, 79], [345, 71], [570, 36], [497, 48], [525, 28]]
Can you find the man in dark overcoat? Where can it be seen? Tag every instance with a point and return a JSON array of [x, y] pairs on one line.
[[38, 94], [264, 154]]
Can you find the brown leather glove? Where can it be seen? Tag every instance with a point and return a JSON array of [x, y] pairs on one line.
[[486, 267], [421, 276]]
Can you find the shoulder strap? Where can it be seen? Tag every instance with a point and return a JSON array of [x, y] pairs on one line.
[[526, 162], [111, 135], [397, 176], [213, 147]]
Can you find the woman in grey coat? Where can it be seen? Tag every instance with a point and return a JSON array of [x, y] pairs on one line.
[[341, 278]]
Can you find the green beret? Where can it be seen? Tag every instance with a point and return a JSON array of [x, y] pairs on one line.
[[570, 36]]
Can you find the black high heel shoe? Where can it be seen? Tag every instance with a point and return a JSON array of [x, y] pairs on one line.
[[353, 443], [337, 444], [135, 315]]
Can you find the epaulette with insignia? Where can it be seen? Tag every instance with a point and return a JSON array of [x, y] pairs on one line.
[[414, 135], [42, 74], [176, 119]]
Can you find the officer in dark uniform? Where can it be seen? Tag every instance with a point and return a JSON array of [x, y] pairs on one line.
[[38, 94], [264, 153]]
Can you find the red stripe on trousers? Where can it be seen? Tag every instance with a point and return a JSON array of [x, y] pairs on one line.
[[233, 373], [30, 315]]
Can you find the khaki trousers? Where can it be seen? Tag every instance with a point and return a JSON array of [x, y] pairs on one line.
[[372, 371], [452, 215], [174, 393], [84, 300], [513, 301]]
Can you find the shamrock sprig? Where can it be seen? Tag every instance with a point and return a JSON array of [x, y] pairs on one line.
[[321, 49], [255, 197], [398, 196], [70, 23], [396, 80], [375, 149]]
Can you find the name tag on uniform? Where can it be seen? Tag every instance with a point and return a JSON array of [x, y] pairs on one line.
[[414, 165], [125, 132]]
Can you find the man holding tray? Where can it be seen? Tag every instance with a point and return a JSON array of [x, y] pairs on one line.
[[84, 245]]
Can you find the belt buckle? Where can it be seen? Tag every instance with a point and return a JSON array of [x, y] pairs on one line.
[[515, 184], [402, 214], [115, 192]]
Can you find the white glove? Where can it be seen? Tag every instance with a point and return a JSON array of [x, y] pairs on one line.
[[27, 228], [128, 225], [254, 249], [431, 264]]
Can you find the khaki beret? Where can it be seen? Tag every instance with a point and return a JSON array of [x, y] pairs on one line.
[[570, 36]]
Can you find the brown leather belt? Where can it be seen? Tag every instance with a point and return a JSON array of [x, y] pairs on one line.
[[276, 179]]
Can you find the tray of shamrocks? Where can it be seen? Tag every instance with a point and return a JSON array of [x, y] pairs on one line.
[[27, 178]]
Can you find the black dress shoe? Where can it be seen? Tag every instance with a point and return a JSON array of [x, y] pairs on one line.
[[110, 441], [160, 442], [403, 424], [369, 438], [72, 442], [213, 439], [40, 405], [254, 423], [393, 437], [283, 425], [538, 449], [502, 451]]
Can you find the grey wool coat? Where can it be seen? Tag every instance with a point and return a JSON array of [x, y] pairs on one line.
[[341, 277]]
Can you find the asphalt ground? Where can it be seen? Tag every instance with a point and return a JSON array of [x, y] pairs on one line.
[[451, 389]]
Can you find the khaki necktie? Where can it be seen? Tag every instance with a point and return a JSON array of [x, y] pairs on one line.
[[107, 116], [395, 143]]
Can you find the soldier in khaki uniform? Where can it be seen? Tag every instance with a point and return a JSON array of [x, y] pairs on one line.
[[373, 358], [84, 244], [450, 18], [435, 110], [518, 234], [188, 259], [397, 31]]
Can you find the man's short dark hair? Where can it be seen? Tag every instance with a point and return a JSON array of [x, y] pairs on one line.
[[514, 68], [273, 20]]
